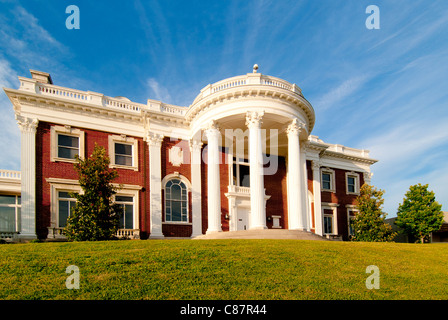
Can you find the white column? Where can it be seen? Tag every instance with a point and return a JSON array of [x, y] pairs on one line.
[[257, 219], [28, 182], [213, 180], [294, 178], [306, 213], [318, 220], [155, 184], [195, 149]]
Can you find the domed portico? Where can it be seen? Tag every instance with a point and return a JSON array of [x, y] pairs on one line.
[[255, 118]]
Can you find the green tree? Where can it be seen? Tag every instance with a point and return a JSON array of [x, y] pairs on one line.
[[94, 217], [420, 213], [368, 223]]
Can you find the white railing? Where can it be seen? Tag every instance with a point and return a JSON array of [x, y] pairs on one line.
[[7, 235], [244, 80], [10, 174], [169, 108], [63, 92], [58, 233], [238, 189], [128, 233], [94, 98], [269, 81], [120, 104], [229, 83], [349, 151]]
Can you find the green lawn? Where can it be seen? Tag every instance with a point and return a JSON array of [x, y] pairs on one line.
[[223, 269]]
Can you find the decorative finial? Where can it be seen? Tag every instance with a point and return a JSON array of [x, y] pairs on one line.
[[255, 68]]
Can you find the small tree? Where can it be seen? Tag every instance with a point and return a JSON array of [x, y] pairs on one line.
[[368, 224], [420, 213], [94, 217]]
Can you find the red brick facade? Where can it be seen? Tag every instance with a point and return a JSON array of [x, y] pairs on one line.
[[275, 185]]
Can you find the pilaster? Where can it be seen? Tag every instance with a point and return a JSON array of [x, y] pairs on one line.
[[196, 152], [154, 142], [28, 129], [318, 220]]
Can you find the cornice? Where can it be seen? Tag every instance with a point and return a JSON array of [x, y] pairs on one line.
[[49, 102], [333, 154], [250, 92]]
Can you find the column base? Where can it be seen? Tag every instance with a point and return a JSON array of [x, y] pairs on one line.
[[156, 236], [26, 237]]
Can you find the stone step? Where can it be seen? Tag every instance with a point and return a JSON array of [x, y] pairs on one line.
[[262, 234]]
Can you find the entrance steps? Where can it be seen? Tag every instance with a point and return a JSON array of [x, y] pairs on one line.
[[262, 234]]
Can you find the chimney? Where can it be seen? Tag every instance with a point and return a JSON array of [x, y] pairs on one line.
[[41, 77]]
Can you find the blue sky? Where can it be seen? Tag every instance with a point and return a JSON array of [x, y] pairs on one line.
[[383, 90]]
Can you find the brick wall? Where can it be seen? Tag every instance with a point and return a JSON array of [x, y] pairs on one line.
[[342, 198], [45, 168]]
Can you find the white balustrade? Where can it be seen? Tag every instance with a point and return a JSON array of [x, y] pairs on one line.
[[128, 233], [10, 174]]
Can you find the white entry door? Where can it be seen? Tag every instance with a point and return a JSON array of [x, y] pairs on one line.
[[242, 219]]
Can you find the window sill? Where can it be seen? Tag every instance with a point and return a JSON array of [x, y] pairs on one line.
[[64, 160], [178, 222], [119, 166]]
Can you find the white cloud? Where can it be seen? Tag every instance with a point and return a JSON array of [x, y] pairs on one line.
[[158, 92], [336, 95], [10, 135]]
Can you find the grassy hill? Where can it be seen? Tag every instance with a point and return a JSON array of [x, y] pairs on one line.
[[223, 269]]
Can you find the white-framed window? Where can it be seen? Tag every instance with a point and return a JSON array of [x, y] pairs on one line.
[[123, 152], [328, 224], [352, 182], [66, 142], [10, 206], [176, 203], [241, 172], [351, 212], [328, 182], [330, 218], [62, 204], [66, 204], [126, 204]]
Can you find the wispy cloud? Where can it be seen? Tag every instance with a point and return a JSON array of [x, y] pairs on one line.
[[158, 92], [9, 132], [338, 94]]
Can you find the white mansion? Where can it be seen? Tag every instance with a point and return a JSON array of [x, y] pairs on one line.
[[240, 157]]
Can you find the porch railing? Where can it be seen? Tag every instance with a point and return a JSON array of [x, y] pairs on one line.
[[58, 233]]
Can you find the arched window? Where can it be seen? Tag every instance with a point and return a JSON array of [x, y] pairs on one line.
[[176, 201]]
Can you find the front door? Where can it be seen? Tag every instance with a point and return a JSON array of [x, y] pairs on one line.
[[243, 219]]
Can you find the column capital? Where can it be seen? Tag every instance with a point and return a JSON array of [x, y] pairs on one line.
[[295, 127], [254, 119], [316, 164], [367, 176], [154, 139], [27, 124], [195, 145]]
